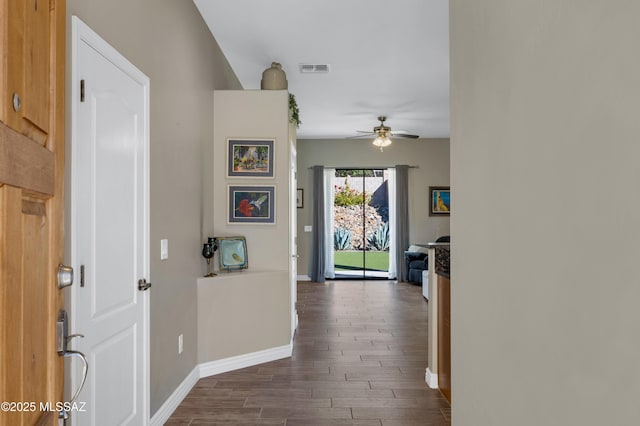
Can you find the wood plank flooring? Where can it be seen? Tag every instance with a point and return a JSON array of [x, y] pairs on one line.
[[359, 358]]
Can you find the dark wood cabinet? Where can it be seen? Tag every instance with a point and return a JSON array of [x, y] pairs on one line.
[[444, 336], [443, 274]]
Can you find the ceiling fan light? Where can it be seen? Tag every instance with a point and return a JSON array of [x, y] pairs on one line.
[[382, 141]]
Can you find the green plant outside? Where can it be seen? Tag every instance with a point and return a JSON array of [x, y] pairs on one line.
[[345, 196], [341, 239], [349, 260]]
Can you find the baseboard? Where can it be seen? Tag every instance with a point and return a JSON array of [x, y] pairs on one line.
[[303, 278], [247, 360], [431, 379], [212, 368], [174, 400]]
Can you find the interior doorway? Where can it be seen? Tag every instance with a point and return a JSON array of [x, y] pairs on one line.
[[361, 224]]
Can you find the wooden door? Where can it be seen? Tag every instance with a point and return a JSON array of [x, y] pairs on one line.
[[32, 41]]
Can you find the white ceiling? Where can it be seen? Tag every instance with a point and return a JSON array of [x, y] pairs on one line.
[[386, 58]]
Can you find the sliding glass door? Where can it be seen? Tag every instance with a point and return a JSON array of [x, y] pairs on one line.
[[361, 229]]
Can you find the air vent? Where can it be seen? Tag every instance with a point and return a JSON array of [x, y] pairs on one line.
[[314, 68]]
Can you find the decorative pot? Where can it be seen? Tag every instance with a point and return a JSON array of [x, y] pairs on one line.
[[274, 78]]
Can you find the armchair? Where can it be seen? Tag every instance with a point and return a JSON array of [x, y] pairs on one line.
[[416, 261]]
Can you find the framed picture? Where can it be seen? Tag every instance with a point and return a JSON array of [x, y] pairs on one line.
[[252, 204], [439, 201], [299, 198], [232, 253], [250, 158]]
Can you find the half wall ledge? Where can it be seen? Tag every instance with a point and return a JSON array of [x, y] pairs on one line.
[[242, 312]]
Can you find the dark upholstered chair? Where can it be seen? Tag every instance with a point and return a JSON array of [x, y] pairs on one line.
[[416, 261]]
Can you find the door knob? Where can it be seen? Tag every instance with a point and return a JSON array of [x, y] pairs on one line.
[[143, 284]]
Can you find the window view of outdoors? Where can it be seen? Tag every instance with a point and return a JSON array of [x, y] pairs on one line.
[[361, 224]]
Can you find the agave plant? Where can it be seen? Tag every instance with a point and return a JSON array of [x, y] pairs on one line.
[[341, 239], [379, 239]]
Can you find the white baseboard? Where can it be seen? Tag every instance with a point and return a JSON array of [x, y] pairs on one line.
[[215, 367], [431, 379], [247, 360], [174, 400], [303, 278]]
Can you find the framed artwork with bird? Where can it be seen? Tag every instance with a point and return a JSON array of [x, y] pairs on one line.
[[439, 201], [252, 204]]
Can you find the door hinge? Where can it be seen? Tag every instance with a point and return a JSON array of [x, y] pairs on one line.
[[81, 90], [81, 275]]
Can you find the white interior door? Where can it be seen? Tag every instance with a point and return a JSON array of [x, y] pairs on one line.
[[110, 231], [293, 233]]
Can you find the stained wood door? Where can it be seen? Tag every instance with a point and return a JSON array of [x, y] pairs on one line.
[[32, 40]]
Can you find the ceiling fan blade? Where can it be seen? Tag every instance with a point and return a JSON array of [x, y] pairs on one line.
[[369, 132], [368, 135], [404, 135]]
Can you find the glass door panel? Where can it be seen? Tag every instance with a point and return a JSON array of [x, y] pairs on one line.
[[361, 224]]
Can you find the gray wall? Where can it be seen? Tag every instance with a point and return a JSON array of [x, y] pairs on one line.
[[169, 42], [430, 155], [546, 231]]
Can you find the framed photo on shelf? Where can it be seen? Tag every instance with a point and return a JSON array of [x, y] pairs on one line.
[[250, 158], [232, 253], [299, 198], [439, 201], [251, 204]]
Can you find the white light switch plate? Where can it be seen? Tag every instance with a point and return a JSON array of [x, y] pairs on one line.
[[164, 249], [308, 228]]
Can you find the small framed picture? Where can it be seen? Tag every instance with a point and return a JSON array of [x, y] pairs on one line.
[[232, 253], [439, 201], [250, 158], [299, 198], [252, 204]]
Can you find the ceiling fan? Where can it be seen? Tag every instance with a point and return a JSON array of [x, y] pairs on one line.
[[383, 133]]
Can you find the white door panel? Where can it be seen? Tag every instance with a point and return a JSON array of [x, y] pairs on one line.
[[110, 231], [117, 384]]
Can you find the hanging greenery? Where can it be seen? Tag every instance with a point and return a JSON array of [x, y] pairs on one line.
[[294, 112]]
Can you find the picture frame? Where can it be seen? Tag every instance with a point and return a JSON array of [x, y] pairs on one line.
[[299, 198], [250, 158], [232, 253], [439, 201], [254, 204]]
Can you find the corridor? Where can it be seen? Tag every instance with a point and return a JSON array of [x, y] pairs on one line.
[[359, 358]]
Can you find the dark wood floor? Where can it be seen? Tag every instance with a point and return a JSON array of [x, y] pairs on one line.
[[359, 358]]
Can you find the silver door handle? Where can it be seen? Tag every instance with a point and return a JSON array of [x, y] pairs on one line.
[[143, 284], [85, 371]]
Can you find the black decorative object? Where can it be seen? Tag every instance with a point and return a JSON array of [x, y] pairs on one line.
[[208, 250]]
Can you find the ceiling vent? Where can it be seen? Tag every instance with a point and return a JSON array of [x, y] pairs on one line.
[[314, 68]]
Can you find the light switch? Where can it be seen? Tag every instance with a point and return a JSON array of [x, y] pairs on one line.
[[307, 228], [164, 249]]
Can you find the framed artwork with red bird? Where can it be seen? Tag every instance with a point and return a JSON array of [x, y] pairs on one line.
[[252, 204]]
